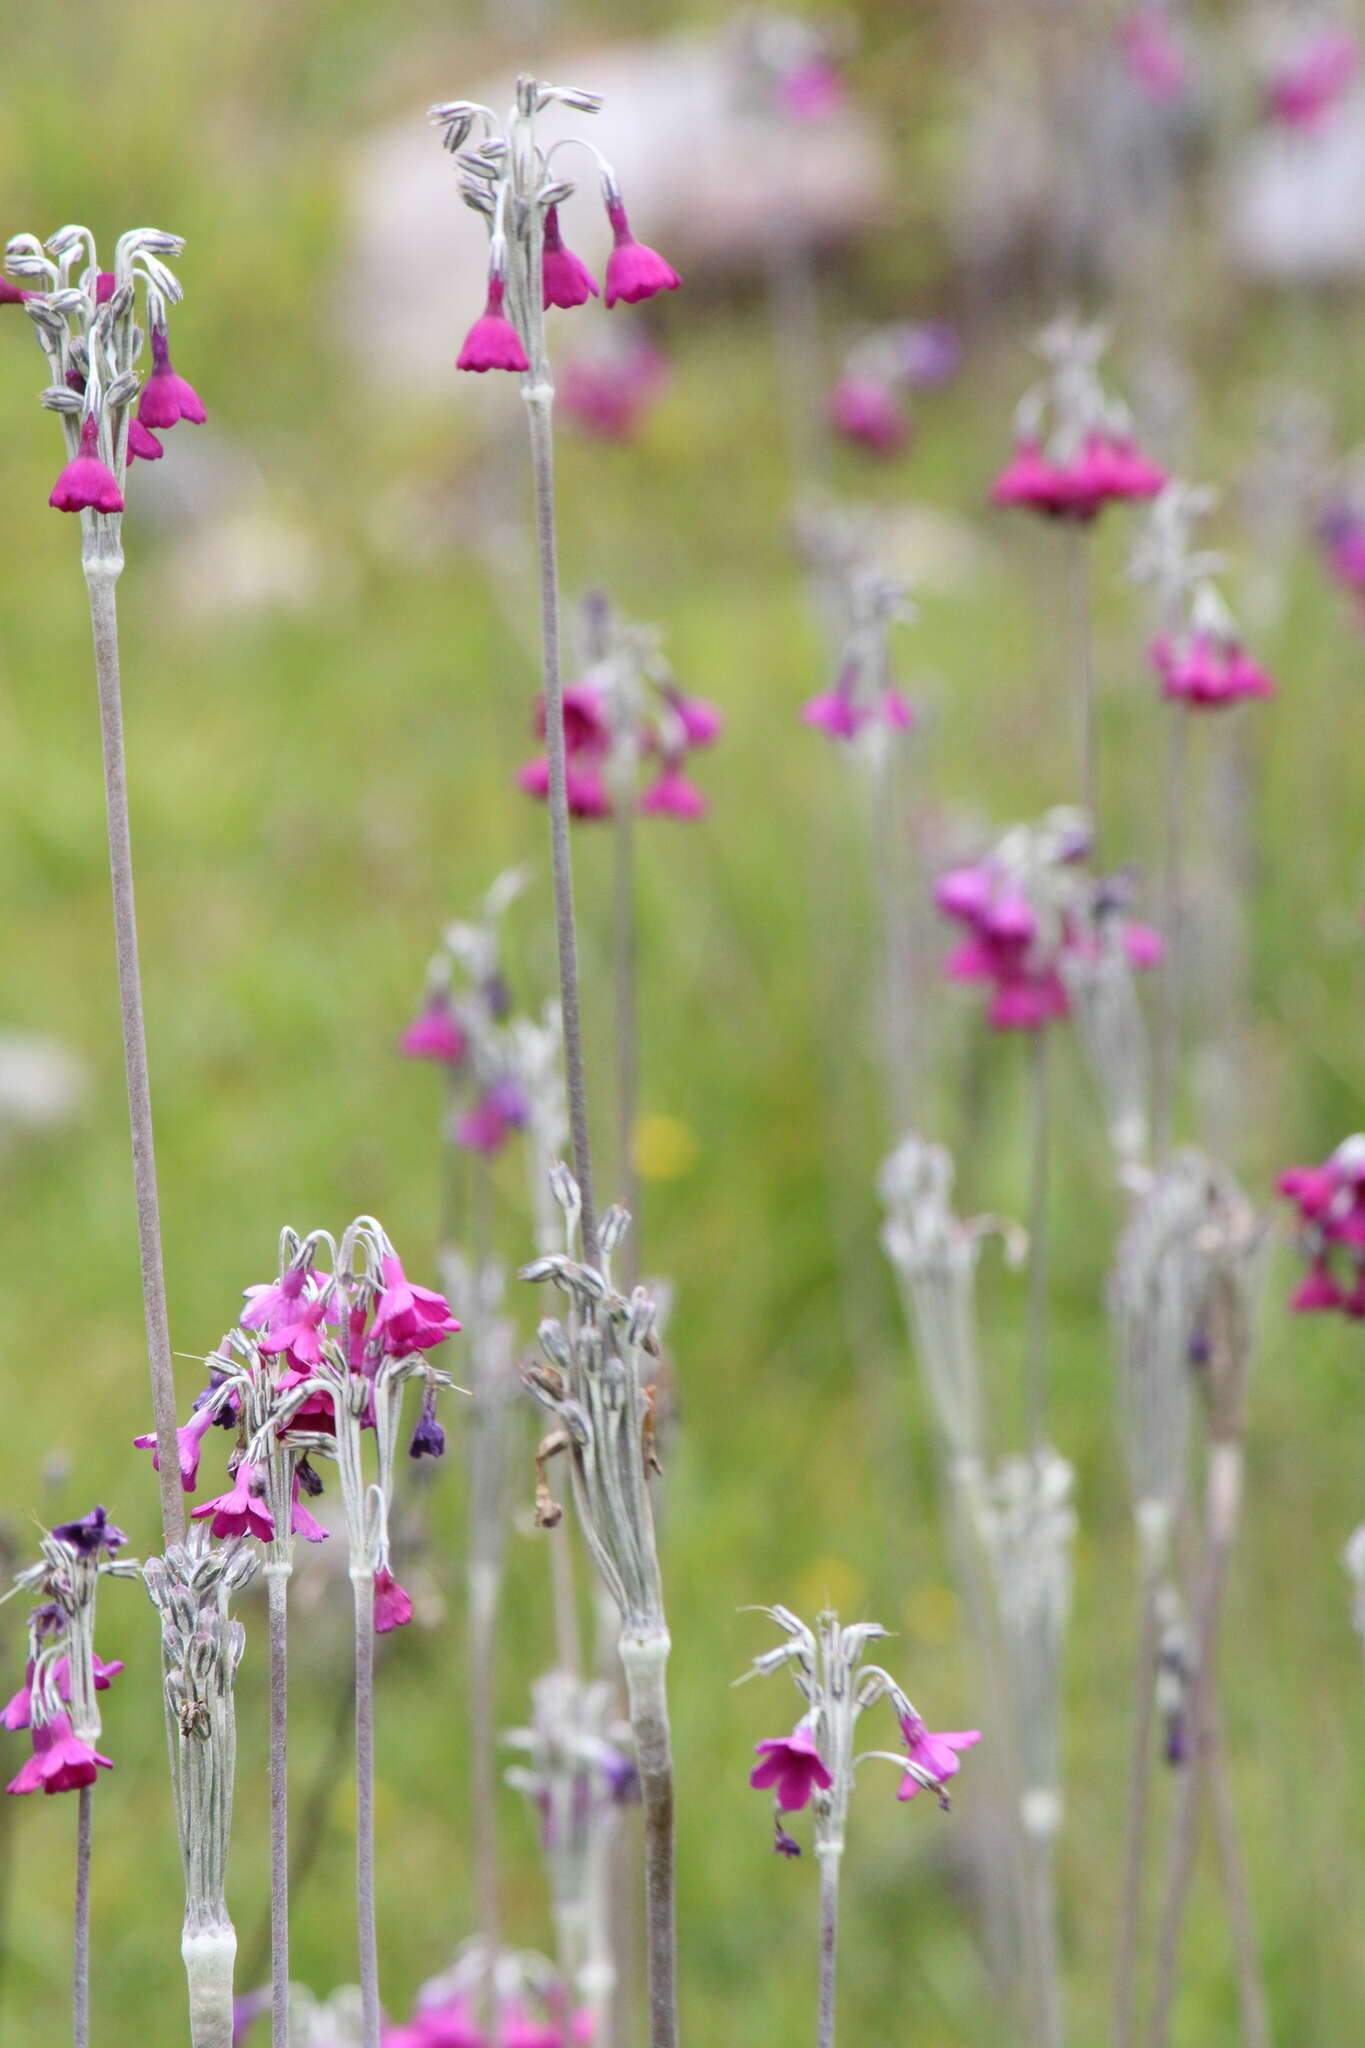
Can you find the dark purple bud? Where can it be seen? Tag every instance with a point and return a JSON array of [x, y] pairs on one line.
[[94, 1532], [47, 1620], [783, 1843], [310, 1482], [497, 995], [428, 1439], [623, 1779], [1177, 1740]]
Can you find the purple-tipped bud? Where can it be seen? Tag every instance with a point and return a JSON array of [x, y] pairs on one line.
[[428, 1439]]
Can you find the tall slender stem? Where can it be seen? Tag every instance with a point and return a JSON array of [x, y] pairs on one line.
[[482, 1622], [897, 993], [1037, 1239], [1082, 623], [1139, 1793], [830, 1859], [1223, 1495], [1173, 922], [80, 1947], [362, 1583], [102, 561], [539, 397], [277, 1593], [1251, 1992], [627, 1036], [1043, 1901], [645, 1663]]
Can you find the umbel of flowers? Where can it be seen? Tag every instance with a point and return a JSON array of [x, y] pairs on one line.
[[510, 180], [863, 606], [1198, 652], [577, 1774], [57, 1703], [1074, 447], [868, 403], [1329, 1201], [533, 2003], [94, 332], [814, 1765], [626, 713], [1027, 907]]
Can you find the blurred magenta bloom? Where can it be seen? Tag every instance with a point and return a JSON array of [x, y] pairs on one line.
[[60, 1762], [435, 1032], [1330, 1201], [500, 1110], [392, 1605], [609, 393], [1107, 470], [189, 1442], [1155, 56], [143, 445], [1207, 670], [840, 714], [936, 1754], [673, 795], [793, 1766], [1308, 85], [811, 91], [867, 411]]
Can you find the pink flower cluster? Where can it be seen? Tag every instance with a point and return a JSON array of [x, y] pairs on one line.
[[1306, 88], [609, 392], [792, 1768], [291, 1320], [867, 405], [60, 1762], [87, 483], [1014, 950], [1106, 469], [847, 710], [634, 272], [1207, 669], [1330, 1201], [1154, 54], [678, 726], [450, 2022]]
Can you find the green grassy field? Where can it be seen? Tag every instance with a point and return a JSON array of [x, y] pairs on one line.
[[316, 789]]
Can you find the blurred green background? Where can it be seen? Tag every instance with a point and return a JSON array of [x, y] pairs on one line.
[[320, 781]]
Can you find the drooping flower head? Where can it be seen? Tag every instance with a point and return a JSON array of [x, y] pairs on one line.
[[93, 325], [1074, 450], [609, 387], [1311, 81], [626, 710], [863, 606], [1198, 652], [509, 179], [814, 1766], [1329, 1201], [1026, 907]]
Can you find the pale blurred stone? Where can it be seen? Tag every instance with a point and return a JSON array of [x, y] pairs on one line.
[[707, 180]]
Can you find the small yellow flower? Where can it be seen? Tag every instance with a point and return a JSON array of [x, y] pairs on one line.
[[665, 1147]]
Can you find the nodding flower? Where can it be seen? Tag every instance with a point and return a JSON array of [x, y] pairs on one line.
[[937, 1755], [673, 794], [168, 397], [143, 445], [435, 1033], [241, 1511], [1330, 1201], [392, 1605], [867, 411], [189, 1443], [500, 1110], [11, 295], [634, 270], [1208, 669], [87, 484], [793, 1767], [566, 279], [60, 1762], [493, 343]]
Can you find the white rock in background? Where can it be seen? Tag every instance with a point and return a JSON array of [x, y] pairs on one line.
[[43, 1084], [1294, 206], [706, 180]]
